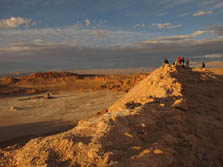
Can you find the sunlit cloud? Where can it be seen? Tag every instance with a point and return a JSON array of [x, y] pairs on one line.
[[182, 37], [15, 22], [37, 41], [87, 22], [202, 13], [71, 34], [139, 25], [187, 38], [211, 56], [166, 25]]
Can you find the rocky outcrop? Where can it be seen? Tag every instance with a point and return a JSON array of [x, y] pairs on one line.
[[7, 80], [171, 118], [66, 81]]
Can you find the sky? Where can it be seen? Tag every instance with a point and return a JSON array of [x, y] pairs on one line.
[[43, 35]]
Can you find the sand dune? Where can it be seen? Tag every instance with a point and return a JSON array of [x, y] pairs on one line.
[[171, 118]]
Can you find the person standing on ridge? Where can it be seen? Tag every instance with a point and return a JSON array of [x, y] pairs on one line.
[[165, 61], [203, 66], [187, 62], [179, 60], [183, 60]]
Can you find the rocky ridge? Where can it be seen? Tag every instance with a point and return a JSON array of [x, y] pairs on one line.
[[174, 118]]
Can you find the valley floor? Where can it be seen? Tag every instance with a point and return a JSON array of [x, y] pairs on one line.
[[27, 117]]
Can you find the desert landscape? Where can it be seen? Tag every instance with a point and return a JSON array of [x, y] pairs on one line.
[[172, 115], [111, 83], [40, 104]]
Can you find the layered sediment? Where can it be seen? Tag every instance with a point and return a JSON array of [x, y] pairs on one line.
[[66, 81]]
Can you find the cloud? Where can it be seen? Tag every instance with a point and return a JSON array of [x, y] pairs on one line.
[[182, 37], [139, 25], [99, 33], [14, 22], [184, 14], [218, 30], [202, 13], [199, 32], [211, 56], [37, 41], [185, 48], [219, 5], [166, 25], [67, 56], [72, 35], [87, 22], [77, 25], [163, 14]]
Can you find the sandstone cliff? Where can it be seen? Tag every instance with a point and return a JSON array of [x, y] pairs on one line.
[[66, 81]]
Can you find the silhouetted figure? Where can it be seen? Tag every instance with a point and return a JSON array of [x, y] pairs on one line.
[[165, 61], [187, 62], [183, 60], [203, 66]]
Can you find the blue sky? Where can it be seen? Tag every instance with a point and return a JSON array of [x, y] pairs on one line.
[[31, 29]]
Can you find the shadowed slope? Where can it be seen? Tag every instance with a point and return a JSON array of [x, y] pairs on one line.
[[171, 118]]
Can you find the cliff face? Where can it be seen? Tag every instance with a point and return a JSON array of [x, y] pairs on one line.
[[67, 81], [174, 118]]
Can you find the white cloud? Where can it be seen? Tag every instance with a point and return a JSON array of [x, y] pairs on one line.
[[87, 22], [163, 14], [71, 34], [14, 22], [202, 13], [178, 38], [139, 25], [166, 25]]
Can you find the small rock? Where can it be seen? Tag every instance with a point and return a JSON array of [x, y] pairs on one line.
[[14, 109], [103, 111], [48, 96]]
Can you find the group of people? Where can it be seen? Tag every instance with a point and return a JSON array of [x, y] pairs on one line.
[[182, 62]]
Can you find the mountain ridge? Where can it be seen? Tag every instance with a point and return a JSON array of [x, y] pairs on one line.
[[171, 118]]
